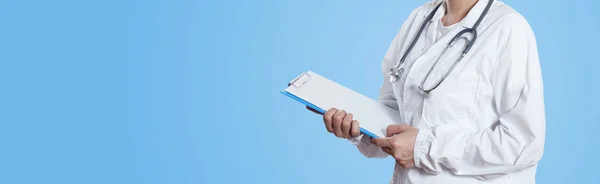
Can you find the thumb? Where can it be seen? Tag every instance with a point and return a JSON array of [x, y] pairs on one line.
[[396, 129], [381, 142]]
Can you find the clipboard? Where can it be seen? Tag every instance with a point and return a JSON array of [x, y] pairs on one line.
[[320, 94]]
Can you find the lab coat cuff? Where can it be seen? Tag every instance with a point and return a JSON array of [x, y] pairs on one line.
[[422, 146]]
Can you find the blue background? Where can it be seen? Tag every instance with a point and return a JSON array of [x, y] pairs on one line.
[[186, 91]]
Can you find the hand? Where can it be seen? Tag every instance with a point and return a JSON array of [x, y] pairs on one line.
[[400, 144], [341, 123]]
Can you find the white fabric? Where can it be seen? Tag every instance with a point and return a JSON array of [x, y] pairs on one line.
[[442, 30], [485, 123]]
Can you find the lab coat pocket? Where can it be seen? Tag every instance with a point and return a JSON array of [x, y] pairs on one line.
[[454, 99]]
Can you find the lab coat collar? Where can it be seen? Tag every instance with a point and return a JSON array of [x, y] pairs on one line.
[[466, 22], [475, 13]]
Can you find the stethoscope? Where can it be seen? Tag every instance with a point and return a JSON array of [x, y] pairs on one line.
[[398, 69]]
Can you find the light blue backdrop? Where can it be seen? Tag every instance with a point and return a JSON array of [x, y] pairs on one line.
[[183, 91]]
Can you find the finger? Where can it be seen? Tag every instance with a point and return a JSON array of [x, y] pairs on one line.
[[387, 150], [355, 129], [410, 165], [396, 129], [405, 158], [337, 123], [347, 124], [398, 156], [381, 142], [401, 162], [406, 164], [313, 110], [328, 119]]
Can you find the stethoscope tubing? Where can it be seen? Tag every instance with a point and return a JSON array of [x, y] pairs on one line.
[[397, 70]]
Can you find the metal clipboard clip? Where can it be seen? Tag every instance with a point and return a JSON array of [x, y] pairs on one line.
[[300, 80]]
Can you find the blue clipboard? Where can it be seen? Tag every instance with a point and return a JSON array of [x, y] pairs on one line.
[[322, 111]]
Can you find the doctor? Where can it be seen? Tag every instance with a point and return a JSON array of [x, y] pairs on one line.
[[474, 116]]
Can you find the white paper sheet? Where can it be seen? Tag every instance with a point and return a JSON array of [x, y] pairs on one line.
[[325, 94]]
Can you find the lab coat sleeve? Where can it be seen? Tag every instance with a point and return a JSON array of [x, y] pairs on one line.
[[516, 139], [386, 95]]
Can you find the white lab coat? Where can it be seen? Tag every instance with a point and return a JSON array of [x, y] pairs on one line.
[[485, 123]]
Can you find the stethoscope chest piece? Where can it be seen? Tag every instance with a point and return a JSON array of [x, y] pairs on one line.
[[395, 74]]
